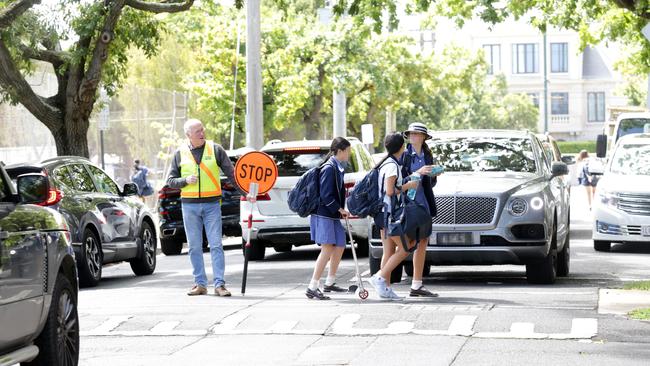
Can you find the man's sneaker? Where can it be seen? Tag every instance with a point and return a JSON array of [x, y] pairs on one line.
[[422, 292], [333, 288], [379, 284], [316, 294], [197, 290], [222, 291]]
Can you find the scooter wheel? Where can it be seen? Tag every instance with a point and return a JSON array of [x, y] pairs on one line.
[[363, 294]]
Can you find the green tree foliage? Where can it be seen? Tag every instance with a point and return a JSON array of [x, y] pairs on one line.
[[86, 44]]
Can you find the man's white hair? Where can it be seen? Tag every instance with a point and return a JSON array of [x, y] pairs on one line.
[[189, 123]]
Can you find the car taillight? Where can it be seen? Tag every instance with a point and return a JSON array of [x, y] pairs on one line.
[[261, 197], [167, 192], [54, 196], [348, 188]]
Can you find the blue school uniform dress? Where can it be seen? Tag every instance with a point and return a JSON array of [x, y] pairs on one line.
[[412, 161], [326, 227]]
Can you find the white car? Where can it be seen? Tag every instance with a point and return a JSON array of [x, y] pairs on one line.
[[622, 206], [274, 224]]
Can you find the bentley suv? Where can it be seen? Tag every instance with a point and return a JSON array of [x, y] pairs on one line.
[[107, 224], [500, 201], [39, 323]]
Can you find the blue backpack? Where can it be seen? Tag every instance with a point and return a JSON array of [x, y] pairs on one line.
[[304, 197], [366, 198]]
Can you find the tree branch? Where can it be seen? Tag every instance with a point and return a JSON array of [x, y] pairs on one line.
[[92, 77], [55, 58], [14, 10], [167, 7], [13, 81]]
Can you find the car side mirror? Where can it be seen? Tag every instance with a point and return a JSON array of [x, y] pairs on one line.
[[601, 146], [569, 159], [34, 189], [130, 189], [559, 169]]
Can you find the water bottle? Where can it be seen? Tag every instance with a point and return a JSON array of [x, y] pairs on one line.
[[415, 177]]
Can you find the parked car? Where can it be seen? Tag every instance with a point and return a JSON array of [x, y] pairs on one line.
[[107, 224], [275, 225], [621, 209], [499, 202], [38, 277], [172, 231]]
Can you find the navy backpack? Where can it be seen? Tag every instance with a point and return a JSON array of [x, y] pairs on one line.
[[366, 198], [304, 197]]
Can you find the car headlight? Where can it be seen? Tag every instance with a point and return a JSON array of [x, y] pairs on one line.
[[518, 207], [608, 198], [537, 203]]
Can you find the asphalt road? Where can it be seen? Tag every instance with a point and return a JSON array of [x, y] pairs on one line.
[[484, 315]]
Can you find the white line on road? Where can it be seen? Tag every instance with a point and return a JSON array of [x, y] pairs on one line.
[[108, 326], [229, 323]]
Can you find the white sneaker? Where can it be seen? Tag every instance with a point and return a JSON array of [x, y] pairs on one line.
[[393, 296], [379, 284]]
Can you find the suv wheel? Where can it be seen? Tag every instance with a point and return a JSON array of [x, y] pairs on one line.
[[90, 261], [59, 341], [564, 258], [375, 265], [171, 246], [602, 246], [257, 250], [146, 263]]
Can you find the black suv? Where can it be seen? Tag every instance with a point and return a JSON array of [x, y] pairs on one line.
[[38, 277], [172, 231], [107, 224]]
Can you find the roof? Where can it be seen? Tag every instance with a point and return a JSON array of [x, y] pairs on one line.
[[275, 145], [627, 115], [480, 133], [635, 138], [594, 66]]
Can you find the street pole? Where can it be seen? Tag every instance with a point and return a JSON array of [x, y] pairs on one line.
[[101, 148], [391, 120], [254, 122], [545, 88], [339, 106]]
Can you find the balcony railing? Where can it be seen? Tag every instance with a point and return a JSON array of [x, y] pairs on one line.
[[560, 119]]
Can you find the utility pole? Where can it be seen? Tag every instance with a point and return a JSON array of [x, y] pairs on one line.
[[545, 88], [104, 123], [391, 120], [339, 106], [254, 122]]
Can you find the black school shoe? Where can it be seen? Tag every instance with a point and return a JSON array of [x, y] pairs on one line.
[[316, 294], [333, 288], [422, 292]]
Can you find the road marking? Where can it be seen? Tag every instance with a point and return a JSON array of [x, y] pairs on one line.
[[108, 326], [460, 325], [229, 323]]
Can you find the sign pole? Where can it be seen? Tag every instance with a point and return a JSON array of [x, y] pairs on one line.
[[254, 187]]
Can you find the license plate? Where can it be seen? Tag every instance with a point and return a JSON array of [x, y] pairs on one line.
[[455, 238], [645, 230]]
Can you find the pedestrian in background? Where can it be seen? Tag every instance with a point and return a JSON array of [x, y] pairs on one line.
[[326, 228], [139, 177], [585, 179]]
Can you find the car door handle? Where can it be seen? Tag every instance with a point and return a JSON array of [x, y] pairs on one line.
[[88, 199]]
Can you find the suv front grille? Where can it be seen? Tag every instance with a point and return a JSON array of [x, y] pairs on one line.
[[634, 204], [453, 210]]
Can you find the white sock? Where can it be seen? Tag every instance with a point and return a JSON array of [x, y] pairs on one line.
[[415, 285], [330, 281], [314, 284]]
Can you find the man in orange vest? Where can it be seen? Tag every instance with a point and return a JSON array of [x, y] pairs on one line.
[[196, 170]]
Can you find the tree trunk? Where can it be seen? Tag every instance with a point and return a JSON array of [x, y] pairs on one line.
[[312, 118], [72, 138]]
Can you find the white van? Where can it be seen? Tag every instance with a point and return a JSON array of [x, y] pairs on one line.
[[621, 210]]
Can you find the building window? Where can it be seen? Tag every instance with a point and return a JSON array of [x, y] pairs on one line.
[[560, 103], [596, 107], [559, 57], [534, 97], [525, 58], [493, 57], [427, 40]]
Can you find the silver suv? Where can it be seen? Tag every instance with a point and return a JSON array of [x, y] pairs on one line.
[[38, 277], [500, 201]]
